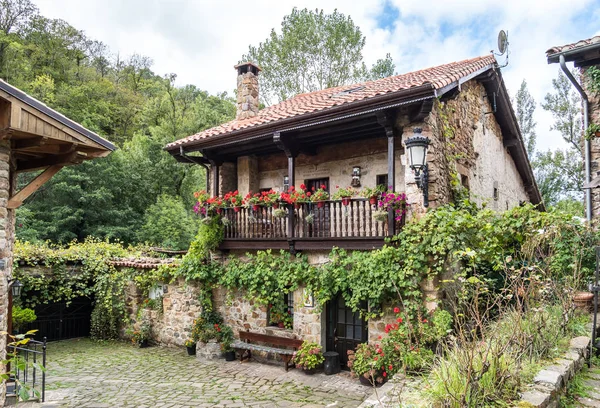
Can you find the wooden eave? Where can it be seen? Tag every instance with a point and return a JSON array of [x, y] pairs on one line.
[[40, 136], [42, 139]]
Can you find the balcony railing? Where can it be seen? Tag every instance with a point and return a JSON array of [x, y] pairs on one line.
[[329, 221]]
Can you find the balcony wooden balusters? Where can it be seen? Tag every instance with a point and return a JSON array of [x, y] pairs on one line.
[[332, 220]]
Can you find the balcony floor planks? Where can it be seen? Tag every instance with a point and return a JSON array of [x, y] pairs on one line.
[[359, 243]]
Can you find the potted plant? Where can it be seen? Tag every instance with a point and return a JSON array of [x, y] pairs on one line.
[[309, 357], [253, 200], [279, 315], [394, 201], [583, 300], [320, 196], [296, 197], [21, 317], [141, 335], [270, 198], [190, 344], [279, 213], [372, 193], [234, 199], [226, 339], [216, 203], [345, 194], [366, 363]]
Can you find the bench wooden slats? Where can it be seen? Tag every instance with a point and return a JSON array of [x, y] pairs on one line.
[[286, 354]]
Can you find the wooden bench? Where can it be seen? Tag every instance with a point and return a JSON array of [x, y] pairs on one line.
[[286, 353]]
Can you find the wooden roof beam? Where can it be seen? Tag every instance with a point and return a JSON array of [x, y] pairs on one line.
[[16, 200], [61, 159]]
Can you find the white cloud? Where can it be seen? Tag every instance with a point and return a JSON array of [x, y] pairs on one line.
[[202, 40]]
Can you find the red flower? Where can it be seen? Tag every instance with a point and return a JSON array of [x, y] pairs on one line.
[[379, 337], [390, 367], [384, 374], [375, 358], [302, 186], [399, 320], [323, 186], [396, 309], [424, 320]]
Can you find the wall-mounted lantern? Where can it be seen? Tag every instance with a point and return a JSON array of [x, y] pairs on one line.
[[286, 183], [16, 289], [355, 176], [416, 147]]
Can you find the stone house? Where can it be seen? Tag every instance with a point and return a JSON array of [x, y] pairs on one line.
[[585, 54], [353, 135], [32, 137]]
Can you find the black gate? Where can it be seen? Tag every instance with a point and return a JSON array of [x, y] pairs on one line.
[[345, 329], [57, 321]]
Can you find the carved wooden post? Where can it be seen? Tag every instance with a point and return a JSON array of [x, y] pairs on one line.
[[290, 148], [385, 122]]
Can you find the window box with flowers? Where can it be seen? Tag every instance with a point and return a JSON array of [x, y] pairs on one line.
[[320, 196], [344, 194], [234, 199], [253, 200], [296, 197]]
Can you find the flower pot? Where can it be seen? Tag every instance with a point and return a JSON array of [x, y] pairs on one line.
[[230, 355], [143, 344], [309, 371], [275, 206], [281, 325], [345, 200], [255, 207], [191, 350], [373, 200], [597, 134], [320, 204], [297, 206], [219, 210], [583, 300], [237, 209]]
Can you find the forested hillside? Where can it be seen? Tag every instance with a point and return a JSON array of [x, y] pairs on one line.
[[123, 100]]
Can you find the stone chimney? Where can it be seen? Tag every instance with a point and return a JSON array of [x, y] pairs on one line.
[[247, 90]]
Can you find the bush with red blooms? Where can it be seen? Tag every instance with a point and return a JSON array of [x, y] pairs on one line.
[[409, 346]]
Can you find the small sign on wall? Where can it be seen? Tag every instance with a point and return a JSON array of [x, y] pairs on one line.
[[157, 291], [308, 299]]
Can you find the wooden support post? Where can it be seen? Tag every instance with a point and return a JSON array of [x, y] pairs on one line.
[[391, 177], [292, 179], [16, 200], [214, 169]]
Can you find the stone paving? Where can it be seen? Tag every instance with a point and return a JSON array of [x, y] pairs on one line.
[[591, 383], [83, 373]]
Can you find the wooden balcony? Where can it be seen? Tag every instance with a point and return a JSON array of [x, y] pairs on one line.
[[333, 224]]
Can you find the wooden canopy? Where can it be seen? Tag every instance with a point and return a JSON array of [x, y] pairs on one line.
[[41, 138]]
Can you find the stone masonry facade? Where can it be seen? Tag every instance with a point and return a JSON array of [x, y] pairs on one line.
[[594, 118], [7, 228]]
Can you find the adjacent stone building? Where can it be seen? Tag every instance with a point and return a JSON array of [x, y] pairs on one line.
[[355, 135], [32, 137], [585, 54]]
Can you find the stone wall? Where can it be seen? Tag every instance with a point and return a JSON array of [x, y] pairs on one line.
[[466, 135], [336, 163], [594, 118], [7, 229]]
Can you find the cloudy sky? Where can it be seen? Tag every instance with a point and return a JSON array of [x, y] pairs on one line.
[[201, 40]]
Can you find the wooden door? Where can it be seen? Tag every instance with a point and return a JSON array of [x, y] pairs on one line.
[[321, 224], [345, 329]]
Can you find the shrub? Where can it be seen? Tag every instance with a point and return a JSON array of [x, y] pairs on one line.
[[309, 356], [105, 323], [22, 316]]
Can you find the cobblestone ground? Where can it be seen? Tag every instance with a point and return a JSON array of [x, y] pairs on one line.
[[82, 373]]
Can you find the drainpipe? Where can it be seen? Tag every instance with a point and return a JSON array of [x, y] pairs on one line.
[[587, 143], [206, 173]]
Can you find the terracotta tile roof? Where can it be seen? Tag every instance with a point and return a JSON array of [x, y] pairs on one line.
[[302, 104], [573, 46], [143, 263]]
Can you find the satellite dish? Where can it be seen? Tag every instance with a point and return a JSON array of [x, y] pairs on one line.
[[502, 42]]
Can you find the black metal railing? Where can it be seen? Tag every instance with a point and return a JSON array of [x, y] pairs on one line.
[[30, 369], [328, 219]]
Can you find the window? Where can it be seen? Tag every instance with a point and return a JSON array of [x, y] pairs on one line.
[[382, 179], [464, 180], [281, 313]]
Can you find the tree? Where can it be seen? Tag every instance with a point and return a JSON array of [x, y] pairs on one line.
[[560, 173], [525, 109], [565, 105], [314, 51]]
